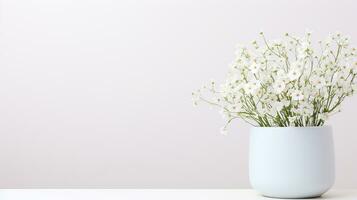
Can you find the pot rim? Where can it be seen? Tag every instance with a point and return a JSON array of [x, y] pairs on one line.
[[292, 127]]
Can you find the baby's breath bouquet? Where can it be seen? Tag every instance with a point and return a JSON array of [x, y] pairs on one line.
[[288, 82]]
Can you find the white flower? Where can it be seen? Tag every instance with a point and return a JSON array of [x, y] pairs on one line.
[[285, 102], [279, 86], [288, 77], [235, 108], [323, 116], [318, 82], [297, 95], [252, 87], [195, 98], [280, 73], [354, 68], [298, 65], [305, 109], [260, 109], [278, 106], [304, 49], [346, 87], [294, 74], [254, 67]]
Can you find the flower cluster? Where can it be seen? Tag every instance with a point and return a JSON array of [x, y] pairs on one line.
[[288, 82]]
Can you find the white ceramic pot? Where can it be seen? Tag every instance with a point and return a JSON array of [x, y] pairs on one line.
[[291, 162]]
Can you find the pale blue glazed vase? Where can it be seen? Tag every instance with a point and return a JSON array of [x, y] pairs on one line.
[[291, 162]]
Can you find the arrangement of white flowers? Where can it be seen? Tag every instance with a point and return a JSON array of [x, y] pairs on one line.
[[288, 82]]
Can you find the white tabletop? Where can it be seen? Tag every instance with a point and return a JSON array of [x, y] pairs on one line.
[[150, 194]]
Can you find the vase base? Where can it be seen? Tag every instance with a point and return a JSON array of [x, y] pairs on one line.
[[281, 197]]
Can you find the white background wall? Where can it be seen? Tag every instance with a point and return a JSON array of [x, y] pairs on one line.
[[96, 93]]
